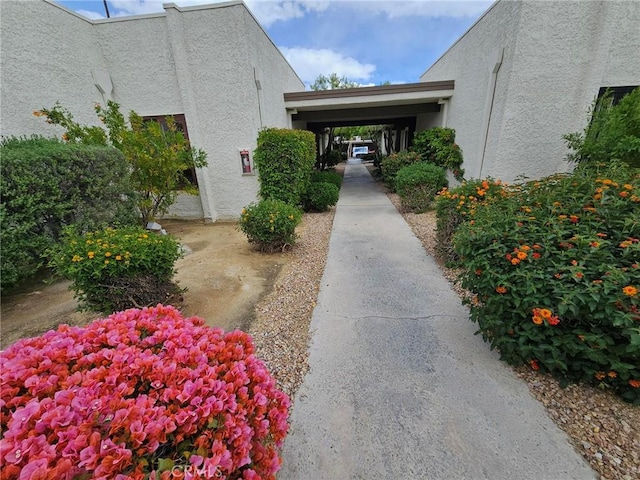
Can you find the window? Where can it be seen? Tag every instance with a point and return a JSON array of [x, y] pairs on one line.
[[182, 126], [616, 93]]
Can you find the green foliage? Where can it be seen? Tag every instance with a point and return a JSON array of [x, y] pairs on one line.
[[284, 159], [320, 196], [332, 82], [392, 164], [554, 267], [112, 269], [270, 224], [326, 176], [47, 185], [438, 146], [612, 134], [158, 158], [453, 207], [419, 183], [333, 158]]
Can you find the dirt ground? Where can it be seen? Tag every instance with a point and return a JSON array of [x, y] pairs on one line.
[[223, 275]]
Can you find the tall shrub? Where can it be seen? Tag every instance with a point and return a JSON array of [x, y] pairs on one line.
[[438, 146], [158, 157], [284, 159], [613, 133], [47, 185]]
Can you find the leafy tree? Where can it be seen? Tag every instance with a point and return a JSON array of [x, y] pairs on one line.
[[158, 158], [332, 82]]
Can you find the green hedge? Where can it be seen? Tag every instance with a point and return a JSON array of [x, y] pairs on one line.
[[392, 164], [326, 176], [418, 185], [320, 196], [48, 185], [284, 159]]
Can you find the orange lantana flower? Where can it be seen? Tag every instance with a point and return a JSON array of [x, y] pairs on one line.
[[630, 290]]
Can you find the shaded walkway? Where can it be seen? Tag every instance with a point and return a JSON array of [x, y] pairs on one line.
[[399, 386]]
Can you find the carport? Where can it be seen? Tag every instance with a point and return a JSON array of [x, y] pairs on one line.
[[404, 109]]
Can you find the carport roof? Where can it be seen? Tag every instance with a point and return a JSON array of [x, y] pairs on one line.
[[403, 94], [367, 105]]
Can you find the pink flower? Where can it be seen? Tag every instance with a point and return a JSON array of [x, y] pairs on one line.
[[92, 400]]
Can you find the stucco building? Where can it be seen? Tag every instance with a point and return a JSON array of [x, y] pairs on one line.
[[522, 76], [527, 72], [213, 66]]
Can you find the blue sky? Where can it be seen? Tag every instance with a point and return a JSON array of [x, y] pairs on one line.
[[368, 41]]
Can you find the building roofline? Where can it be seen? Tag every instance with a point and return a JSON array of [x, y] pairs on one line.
[[461, 36], [71, 12], [370, 91]]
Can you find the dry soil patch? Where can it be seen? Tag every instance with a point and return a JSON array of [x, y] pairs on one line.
[[223, 275]]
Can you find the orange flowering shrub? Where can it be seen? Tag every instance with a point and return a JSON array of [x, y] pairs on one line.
[[115, 269], [555, 267], [453, 207]]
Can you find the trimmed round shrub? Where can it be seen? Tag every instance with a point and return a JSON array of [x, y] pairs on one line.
[[418, 185], [270, 224], [115, 269], [392, 164], [48, 185], [141, 394], [554, 268], [326, 176], [320, 196]]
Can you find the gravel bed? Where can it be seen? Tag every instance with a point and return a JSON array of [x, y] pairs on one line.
[[603, 429], [281, 327]]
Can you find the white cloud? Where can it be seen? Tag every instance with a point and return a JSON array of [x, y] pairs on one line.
[[134, 7], [423, 8], [309, 63], [270, 11], [90, 14]]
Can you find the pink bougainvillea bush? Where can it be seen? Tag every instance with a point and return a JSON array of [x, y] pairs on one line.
[[141, 394]]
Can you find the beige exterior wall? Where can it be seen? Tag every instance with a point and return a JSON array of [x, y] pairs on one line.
[[195, 60], [555, 57]]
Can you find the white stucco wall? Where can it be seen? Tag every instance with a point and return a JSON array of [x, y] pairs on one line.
[[198, 61], [40, 64], [469, 62], [556, 55]]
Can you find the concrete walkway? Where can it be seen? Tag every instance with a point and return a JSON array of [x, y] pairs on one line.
[[400, 387]]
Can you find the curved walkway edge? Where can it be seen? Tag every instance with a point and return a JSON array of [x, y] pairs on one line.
[[399, 386]]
